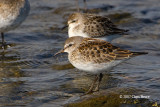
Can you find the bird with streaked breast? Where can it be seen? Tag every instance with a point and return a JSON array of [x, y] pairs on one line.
[[95, 56], [93, 26]]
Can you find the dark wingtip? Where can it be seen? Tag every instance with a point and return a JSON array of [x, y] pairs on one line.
[[120, 31], [139, 53], [126, 30]]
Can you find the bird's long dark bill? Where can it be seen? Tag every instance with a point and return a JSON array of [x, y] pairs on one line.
[[64, 27], [61, 51]]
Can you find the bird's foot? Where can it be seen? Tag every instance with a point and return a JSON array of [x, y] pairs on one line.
[[91, 91], [96, 89], [88, 92], [4, 46]]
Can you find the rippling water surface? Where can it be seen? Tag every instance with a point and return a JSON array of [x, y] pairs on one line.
[[30, 75]]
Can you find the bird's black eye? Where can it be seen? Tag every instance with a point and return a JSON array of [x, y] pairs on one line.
[[73, 21], [70, 45]]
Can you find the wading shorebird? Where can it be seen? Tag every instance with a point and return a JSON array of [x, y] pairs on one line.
[[95, 56], [12, 14], [92, 26]]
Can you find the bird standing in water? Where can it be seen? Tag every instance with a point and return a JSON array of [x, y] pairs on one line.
[[92, 26], [12, 14], [95, 56]]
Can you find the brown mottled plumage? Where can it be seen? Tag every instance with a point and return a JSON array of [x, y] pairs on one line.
[[95, 55], [90, 25], [99, 51]]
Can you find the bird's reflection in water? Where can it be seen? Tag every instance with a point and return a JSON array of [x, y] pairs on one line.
[[10, 72]]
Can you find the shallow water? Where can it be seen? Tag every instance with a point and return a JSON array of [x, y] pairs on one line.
[[30, 75]]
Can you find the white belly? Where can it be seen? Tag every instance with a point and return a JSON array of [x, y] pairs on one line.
[[96, 68], [72, 32], [7, 23], [109, 38], [10, 20]]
